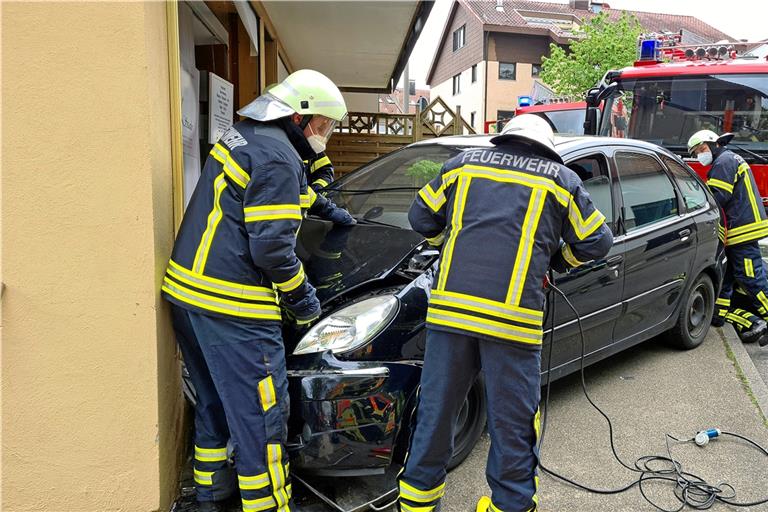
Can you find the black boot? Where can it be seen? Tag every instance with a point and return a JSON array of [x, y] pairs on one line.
[[211, 506], [758, 331]]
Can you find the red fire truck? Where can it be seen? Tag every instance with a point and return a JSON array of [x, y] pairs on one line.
[[674, 90], [566, 118]]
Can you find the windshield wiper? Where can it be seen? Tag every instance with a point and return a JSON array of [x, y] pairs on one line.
[[362, 220], [749, 152], [362, 191]]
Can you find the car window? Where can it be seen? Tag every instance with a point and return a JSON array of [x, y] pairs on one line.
[[593, 172], [691, 188], [383, 190], [646, 190]]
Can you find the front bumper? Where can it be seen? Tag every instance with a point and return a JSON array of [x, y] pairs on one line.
[[346, 416]]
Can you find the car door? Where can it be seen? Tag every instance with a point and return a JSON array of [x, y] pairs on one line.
[[594, 289], [659, 242]]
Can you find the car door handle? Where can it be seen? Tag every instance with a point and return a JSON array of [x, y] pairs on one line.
[[615, 260], [685, 234]]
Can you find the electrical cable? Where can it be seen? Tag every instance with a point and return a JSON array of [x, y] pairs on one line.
[[689, 489]]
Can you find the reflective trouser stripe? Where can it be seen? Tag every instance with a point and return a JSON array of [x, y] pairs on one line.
[[252, 483], [267, 393], [258, 504], [749, 269], [280, 492], [411, 493], [210, 454], [409, 508], [203, 477]]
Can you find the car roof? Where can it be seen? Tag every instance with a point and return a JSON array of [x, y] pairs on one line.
[[553, 107], [563, 144]]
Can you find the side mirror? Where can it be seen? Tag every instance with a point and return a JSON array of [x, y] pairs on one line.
[[590, 121]]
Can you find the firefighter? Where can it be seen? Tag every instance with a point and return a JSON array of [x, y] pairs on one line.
[[486, 307], [232, 266], [744, 223], [320, 171]]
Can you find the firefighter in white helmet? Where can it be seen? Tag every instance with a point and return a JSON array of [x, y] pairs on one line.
[[232, 264]]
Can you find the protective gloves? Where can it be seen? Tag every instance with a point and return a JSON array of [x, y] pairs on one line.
[[326, 209], [301, 304]]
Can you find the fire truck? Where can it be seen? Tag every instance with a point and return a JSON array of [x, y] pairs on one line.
[[566, 118], [674, 90]]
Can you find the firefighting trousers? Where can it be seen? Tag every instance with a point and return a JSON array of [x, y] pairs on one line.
[[238, 371], [513, 390], [744, 269]]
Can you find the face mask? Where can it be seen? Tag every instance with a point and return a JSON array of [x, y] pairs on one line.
[[317, 143], [704, 158]]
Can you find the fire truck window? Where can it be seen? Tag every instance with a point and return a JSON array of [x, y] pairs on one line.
[[594, 174], [647, 193]]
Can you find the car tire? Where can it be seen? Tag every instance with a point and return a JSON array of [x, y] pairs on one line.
[[470, 423], [695, 315]]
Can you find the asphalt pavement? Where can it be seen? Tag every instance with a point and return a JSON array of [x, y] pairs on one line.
[[647, 391]]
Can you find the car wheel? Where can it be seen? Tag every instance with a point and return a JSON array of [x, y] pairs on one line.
[[695, 315], [470, 423]]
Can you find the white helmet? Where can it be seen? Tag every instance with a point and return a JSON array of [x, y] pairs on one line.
[[305, 92], [532, 130], [703, 136]]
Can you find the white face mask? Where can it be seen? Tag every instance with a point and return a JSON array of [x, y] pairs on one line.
[[704, 158], [317, 143]]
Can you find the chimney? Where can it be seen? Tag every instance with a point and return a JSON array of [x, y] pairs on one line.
[[582, 5], [500, 5]]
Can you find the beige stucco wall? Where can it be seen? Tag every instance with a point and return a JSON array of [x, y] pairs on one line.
[[90, 397], [470, 98], [502, 94]]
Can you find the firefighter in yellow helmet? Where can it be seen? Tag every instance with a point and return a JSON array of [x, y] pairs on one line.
[[232, 266]]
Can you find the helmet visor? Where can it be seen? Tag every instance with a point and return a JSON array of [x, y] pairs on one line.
[[322, 127]]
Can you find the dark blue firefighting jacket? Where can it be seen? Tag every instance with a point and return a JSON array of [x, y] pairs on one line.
[[320, 171], [236, 243], [731, 181], [502, 213]]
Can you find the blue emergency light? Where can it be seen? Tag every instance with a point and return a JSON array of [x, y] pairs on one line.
[[649, 49], [524, 101]]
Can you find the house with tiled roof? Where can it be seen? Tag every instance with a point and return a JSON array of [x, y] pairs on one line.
[[490, 51]]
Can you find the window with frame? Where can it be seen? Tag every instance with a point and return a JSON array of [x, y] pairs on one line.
[[646, 190], [458, 37], [456, 84], [507, 71], [472, 119], [690, 187], [474, 73], [593, 171], [535, 70]]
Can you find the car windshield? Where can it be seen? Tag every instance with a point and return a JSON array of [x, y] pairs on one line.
[[565, 122], [668, 111], [383, 190]]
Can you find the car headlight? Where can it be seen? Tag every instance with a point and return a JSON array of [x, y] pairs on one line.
[[349, 327]]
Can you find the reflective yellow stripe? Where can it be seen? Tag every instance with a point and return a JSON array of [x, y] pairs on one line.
[[723, 302], [221, 286], [745, 176], [748, 268], [537, 424], [280, 493], [312, 196], [409, 508], [252, 483], [525, 248], [568, 256], [308, 199], [712, 182], [411, 493], [470, 307], [434, 199], [220, 305], [488, 305], [752, 226], [436, 240], [201, 256], [220, 153], [484, 326], [272, 212], [293, 282], [738, 320], [258, 504], [267, 393], [317, 164], [459, 202], [321, 183], [763, 300], [747, 237], [210, 454], [236, 173], [203, 477]]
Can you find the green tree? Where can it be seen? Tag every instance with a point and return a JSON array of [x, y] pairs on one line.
[[604, 45]]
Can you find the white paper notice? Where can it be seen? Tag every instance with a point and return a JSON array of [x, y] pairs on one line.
[[220, 107]]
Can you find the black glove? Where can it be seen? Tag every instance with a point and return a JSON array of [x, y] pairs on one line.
[[302, 304], [326, 209]]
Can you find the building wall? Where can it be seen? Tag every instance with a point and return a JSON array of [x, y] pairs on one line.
[[471, 97], [502, 94], [361, 101], [448, 62], [91, 402], [505, 47]]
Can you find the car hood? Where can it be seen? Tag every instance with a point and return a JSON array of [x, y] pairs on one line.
[[338, 258]]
